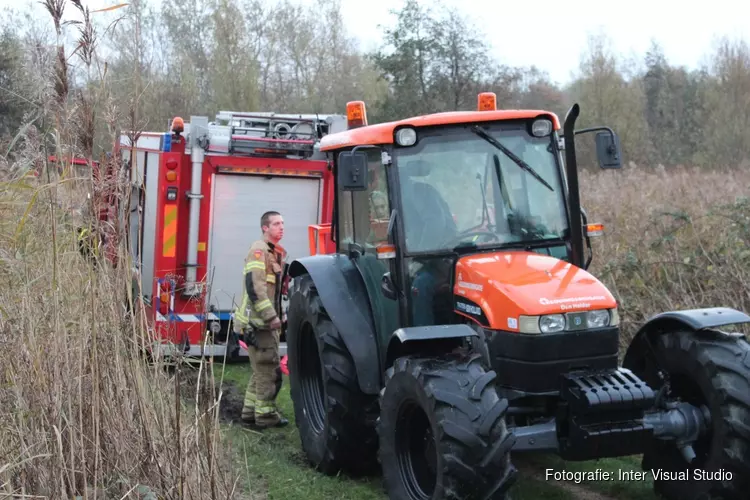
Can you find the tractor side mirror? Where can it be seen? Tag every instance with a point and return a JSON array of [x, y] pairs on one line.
[[352, 171], [608, 150]]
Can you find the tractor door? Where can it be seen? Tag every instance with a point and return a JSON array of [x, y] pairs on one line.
[[363, 224]]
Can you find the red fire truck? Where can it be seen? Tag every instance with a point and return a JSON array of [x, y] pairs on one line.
[[198, 192]]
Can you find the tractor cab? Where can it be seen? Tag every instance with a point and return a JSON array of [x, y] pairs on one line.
[[416, 196]]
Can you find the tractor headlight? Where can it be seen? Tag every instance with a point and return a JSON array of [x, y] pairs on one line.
[[597, 319], [552, 323], [555, 323]]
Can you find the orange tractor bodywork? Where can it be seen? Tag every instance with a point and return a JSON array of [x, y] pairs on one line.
[[463, 328]]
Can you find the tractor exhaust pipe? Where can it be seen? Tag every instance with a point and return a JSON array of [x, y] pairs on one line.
[[574, 198]]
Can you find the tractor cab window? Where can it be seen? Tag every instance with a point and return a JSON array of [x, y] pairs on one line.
[[458, 188], [364, 215]]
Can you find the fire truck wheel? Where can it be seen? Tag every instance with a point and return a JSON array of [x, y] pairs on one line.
[[334, 418], [703, 370], [442, 431]]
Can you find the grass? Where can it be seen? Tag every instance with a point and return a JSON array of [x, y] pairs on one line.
[[273, 462]]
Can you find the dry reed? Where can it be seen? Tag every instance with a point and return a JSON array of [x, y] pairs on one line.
[[81, 413], [79, 407], [674, 238]]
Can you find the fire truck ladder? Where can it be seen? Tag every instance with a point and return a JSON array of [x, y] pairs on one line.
[[269, 133]]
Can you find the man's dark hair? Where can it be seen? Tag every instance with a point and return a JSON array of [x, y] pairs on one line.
[[266, 217]]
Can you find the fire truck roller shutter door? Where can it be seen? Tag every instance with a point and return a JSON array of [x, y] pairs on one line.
[[239, 202], [149, 221]]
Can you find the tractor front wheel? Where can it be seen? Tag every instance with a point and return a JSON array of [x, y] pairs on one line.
[[334, 417], [705, 369], [442, 431]]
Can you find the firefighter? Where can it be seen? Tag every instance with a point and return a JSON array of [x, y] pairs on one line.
[[258, 321]]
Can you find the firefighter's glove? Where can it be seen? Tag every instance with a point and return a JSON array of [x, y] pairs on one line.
[[250, 338]]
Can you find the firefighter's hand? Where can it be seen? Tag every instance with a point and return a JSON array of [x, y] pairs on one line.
[[275, 323]]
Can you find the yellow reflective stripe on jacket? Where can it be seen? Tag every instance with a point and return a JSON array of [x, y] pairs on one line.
[[257, 307], [263, 304], [239, 314], [255, 265]]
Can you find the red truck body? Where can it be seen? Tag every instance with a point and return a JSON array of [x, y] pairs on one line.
[[197, 194]]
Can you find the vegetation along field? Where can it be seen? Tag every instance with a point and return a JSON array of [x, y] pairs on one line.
[[82, 414]]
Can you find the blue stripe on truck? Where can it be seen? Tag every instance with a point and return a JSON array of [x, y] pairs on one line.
[[195, 318]]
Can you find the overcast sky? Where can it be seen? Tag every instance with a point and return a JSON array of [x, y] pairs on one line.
[[551, 35]]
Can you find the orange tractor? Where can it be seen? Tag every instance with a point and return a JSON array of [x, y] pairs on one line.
[[468, 329]]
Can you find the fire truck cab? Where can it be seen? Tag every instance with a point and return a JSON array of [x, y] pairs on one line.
[[197, 195]]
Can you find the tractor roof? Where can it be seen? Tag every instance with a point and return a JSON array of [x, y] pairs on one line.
[[382, 133]]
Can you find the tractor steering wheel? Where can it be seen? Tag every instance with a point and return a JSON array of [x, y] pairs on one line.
[[457, 239]]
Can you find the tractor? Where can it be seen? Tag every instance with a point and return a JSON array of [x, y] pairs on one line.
[[465, 329]]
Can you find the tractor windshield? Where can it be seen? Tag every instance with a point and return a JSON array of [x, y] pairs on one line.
[[476, 187]]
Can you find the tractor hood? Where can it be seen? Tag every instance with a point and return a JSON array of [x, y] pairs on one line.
[[496, 288]]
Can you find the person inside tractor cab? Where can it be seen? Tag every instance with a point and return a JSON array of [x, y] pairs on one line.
[[378, 206], [427, 216], [379, 214], [428, 222]]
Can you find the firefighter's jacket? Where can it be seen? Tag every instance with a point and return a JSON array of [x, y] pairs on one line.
[[261, 297]]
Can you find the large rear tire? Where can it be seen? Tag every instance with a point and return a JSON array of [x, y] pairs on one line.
[[336, 420], [442, 431], [715, 372]]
